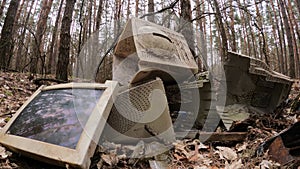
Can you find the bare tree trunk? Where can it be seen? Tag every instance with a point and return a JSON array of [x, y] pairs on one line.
[[99, 14], [285, 62], [232, 30], [186, 25], [18, 14], [264, 53], [2, 7], [95, 15], [6, 40], [251, 40], [202, 33], [96, 42], [276, 27], [136, 8], [244, 38], [298, 5], [84, 31], [81, 27], [294, 31], [220, 25], [117, 16], [52, 57], [203, 20], [274, 40], [258, 23], [150, 10], [211, 41], [128, 10], [65, 39], [198, 13], [17, 31], [19, 59], [25, 55], [90, 18], [289, 39], [38, 55]]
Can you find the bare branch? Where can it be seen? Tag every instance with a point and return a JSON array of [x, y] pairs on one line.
[[162, 10]]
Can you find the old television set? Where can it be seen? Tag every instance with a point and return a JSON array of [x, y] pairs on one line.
[[61, 124]]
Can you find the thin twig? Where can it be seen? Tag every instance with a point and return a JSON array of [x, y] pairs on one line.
[[171, 6]]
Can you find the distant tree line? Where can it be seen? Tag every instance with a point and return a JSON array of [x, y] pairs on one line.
[[47, 36]]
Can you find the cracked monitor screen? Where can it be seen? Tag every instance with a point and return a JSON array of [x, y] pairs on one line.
[[57, 116]]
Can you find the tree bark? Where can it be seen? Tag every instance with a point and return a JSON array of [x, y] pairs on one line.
[[81, 27], [6, 40], [117, 18], [99, 14], [52, 57], [232, 30], [298, 5], [203, 20], [220, 25], [277, 29], [18, 14], [244, 37], [2, 7], [90, 11], [211, 41], [263, 47], [17, 29], [289, 40], [200, 23], [128, 10], [252, 39], [94, 15], [136, 8], [19, 59], [284, 54], [274, 41], [187, 27], [38, 43], [294, 31], [65, 39], [198, 13], [258, 24], [151, 10]]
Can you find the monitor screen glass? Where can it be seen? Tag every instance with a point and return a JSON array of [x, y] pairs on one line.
[[57, 116]]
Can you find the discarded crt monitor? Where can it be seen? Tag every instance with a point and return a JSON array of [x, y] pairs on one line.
[[61, 124], [148, 50], [140, 112], [250, 81]]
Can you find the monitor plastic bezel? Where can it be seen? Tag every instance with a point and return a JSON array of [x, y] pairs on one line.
[[59, 155]]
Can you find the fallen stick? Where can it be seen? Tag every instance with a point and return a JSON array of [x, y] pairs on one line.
[[212, 136]]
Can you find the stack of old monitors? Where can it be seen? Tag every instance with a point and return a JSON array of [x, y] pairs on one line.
[[61, 124]]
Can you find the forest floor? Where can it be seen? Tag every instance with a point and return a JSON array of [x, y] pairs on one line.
[[16, 88]]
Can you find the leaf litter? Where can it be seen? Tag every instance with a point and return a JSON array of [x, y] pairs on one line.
[[16, 88]]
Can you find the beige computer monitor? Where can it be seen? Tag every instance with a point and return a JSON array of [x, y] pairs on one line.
[[138, 110], [57, 152]]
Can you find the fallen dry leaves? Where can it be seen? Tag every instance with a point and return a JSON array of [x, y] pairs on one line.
[[15, 88]]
